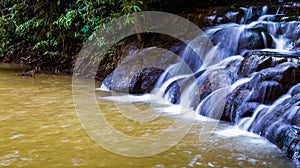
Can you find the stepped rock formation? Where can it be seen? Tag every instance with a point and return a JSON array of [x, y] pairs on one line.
[[258, 74]]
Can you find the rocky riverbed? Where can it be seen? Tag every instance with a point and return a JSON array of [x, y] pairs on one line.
[[260, 71]]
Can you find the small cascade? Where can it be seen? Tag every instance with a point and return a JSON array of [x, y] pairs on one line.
[[251, 77], [280, 43], [247, 14], [278, 122], [251, 99], [264, 39], [247, 122], [190, 66], [226, 38], [191, 71], [264, 10]]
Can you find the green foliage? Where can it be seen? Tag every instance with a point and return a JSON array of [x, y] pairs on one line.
[[56, 29]]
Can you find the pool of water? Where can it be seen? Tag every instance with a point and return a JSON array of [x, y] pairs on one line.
[[39, 127]]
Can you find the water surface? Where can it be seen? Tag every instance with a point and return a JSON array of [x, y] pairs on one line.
[[39, 128]]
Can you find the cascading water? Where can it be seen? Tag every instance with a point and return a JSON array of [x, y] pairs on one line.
[[254, 70], [195, 85], [229, 40]]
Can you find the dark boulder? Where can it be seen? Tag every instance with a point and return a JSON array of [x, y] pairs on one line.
[[245, 110], [139, 72], [144, 80], [251, 39], [254, 63], [256, 60], [266, 92]]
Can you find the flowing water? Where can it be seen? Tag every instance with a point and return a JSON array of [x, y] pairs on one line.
[[205, 76], [257, 30], [39, 128]]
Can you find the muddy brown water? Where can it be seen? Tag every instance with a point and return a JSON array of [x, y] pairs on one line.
[[39, 128]]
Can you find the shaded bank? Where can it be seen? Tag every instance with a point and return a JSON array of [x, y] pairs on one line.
[[58, 55]]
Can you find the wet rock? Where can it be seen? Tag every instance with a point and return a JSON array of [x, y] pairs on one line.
[[138, 73], [227, 39], [295, 90], [290, 139], [204, 83], [266, 92], [286, 18], [296, 44], [246, 14], [265, 87], [280, 18], [275, 12], [254, 61], [174, 90], [225, 14], [212, 81], [232, 16], [144, 80], [280, 123], [245, 110], [234, 101], [251, 39]]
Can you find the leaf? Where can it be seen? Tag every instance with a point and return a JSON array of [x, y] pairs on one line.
[[48, 34], [136, 8], [85, 28]]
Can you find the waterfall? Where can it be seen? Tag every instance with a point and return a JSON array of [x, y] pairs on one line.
[[250, 77], [219, 88], [179, 83]]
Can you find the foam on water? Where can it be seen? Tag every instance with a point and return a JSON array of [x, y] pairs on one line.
[[159, 105], [235, 131], [128, 98], [103, 88]]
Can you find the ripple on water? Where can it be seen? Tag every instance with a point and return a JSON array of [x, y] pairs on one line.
[[8, 159], [16, 136], [43, 131]]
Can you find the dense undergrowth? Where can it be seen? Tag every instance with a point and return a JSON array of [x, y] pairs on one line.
[[48, 34]]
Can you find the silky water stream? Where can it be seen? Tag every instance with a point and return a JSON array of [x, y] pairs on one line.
[[204, 83]]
